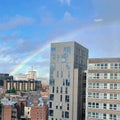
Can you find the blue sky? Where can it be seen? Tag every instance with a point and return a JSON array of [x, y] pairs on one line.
[[27, 25]]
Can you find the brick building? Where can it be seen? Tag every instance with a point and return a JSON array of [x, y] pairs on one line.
[[39, 112]]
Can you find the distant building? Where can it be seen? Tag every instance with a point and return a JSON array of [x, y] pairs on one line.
[[39, 112], [4, 76], [103, 89], [31, 75], [36, 109], [67, 92], [9, 111], [21, 76], [27, 113], [22, 85]]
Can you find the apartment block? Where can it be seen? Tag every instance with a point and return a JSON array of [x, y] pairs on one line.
[[9, 113], [103, 89], [22, 85], [67, 64], [39, 112]]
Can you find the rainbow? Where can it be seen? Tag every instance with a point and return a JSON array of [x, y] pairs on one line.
[[65, 37], [29, 58]]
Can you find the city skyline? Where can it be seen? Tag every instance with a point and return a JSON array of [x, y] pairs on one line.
[[27, 29]]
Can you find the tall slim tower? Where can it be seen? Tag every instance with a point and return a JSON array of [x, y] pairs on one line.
[[67, 63]]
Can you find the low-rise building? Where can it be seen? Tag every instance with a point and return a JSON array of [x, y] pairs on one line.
[[22, 85]]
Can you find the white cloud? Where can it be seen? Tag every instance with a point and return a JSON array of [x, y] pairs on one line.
[[16, 21], [98, 20], [65, 2], [107, 10]]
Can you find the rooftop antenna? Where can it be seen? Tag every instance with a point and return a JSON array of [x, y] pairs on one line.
[[32, 67]]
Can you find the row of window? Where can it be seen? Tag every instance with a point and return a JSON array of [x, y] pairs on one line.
[[60, 90], [104, 106], [113, 86], [104, 66], [67, 98], [98, 66], [65, 114], [97, 85], [104, 96], [66, 82], [60, 74], [104, 75], [66, 50], [103, 116], [63, 57]]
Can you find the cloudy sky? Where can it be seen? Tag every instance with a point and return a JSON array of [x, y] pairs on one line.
[[28, 25]]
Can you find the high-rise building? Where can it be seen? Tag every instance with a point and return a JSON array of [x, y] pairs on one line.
[[67, 63], [103, 89]]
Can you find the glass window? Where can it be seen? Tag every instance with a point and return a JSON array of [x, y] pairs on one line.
[[67, 98], [104, 106], [53, 50], [61, 98], [66, 114], [104, 116], [62, 114], [51, 96], [51, 82], [50, 104], [68, 66], [51, 112], [105, 96], [67, 49], [57, 74], [67, 82], [57, 90]]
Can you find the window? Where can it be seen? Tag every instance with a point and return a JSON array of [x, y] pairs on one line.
[[52, 89], [51, 96], [67, 50], [113, 86], [53, 50], [51, 82], [51, 112], [104, 116], [57, 74], [67, 82], [66, 114], [113, 106], [50, 104], [56, 106], [105, 75], [66, 90], [67, 98], [61, 106], [105, 96], [113, 96], [61, 98], [68, 66], [57, 90], [61, 90], [68, 74], [61, 74], [67, 106], [105, 85], [63, 82], [62, 114], [104, 106], [112, 117]]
